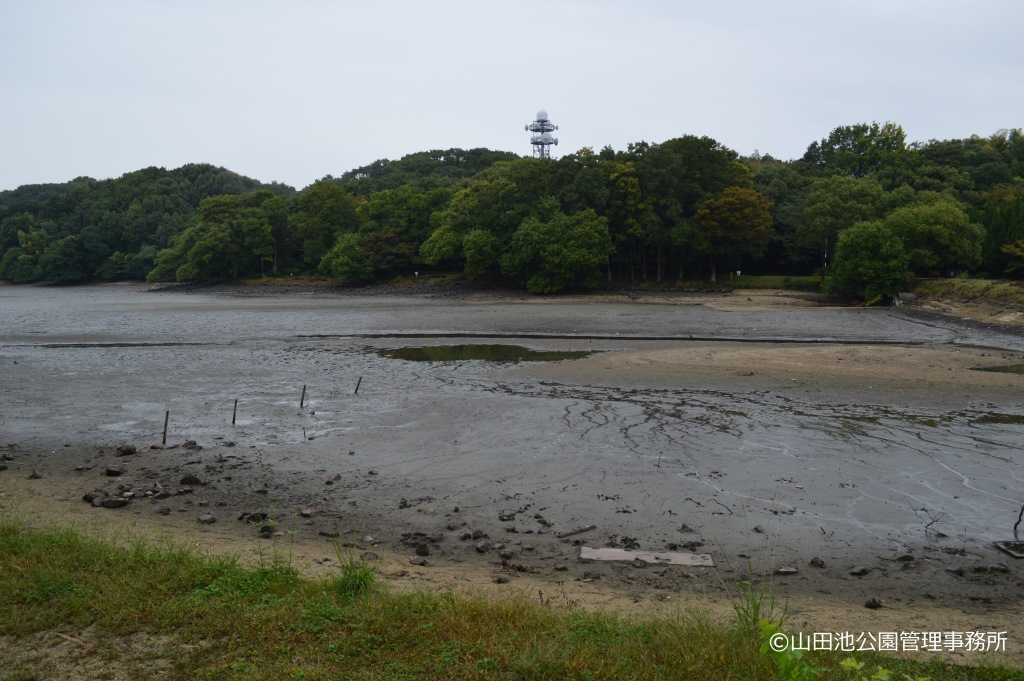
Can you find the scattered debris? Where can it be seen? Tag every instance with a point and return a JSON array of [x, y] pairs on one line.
[[1014, 548]]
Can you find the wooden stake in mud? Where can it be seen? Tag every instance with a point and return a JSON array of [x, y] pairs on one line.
[[167, 417], [302, 400], [358, 383], [234, 414]]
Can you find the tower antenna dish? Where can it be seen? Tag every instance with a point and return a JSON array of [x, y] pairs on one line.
[[541, 138]]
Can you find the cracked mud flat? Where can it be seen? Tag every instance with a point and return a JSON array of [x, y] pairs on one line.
[[764, 430]]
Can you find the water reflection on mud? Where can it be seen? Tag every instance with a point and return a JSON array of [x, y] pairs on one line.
[[492, 352]]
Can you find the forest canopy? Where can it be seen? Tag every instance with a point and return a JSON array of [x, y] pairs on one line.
[[862, 207]]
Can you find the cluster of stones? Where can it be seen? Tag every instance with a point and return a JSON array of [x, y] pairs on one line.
[[126, 491]]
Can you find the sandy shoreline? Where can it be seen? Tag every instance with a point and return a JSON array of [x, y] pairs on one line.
[[869, 438]]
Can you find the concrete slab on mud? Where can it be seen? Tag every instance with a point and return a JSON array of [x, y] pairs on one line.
[[655, 557]]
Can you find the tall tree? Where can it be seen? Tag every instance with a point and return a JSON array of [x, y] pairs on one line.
[[857, 150], [870, 263], [325, 211], [232, 238], [549, 255], [937, 235], [834, 204], [734, 224], [1003, 220], [676, 176]]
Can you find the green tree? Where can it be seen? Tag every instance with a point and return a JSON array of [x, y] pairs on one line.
[[386, 250], [231, 238], [347, 260], [482, 250], [443, 246], [325, 211], [631, 218], [676, 176], [734, 224], [424, 170], [937, 235], [1003, 221], [832, 205], [857, 150], [550, 255], [870, 263], [1015, 256], [19, 266], [63, 261]]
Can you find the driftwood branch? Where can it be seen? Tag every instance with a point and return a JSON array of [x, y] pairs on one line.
[[71, 638], [588, 528]]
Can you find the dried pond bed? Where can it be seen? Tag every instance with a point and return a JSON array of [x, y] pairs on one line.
[[854, 454]]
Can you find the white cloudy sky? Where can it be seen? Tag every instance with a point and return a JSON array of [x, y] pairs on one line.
[[295, 90]]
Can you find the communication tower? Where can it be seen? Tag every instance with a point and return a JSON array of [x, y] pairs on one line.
[[541, 138]]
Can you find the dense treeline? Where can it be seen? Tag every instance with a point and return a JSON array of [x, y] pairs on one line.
[[861, 206], [113, 229]]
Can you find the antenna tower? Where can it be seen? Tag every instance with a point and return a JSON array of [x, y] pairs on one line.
[[541, 138]]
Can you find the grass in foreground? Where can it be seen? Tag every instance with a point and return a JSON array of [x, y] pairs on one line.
[[216, 619]]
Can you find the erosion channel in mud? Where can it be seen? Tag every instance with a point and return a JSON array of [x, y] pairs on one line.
[[786, 433]]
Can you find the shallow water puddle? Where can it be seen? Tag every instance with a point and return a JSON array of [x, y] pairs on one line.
[[480, 352], [1003, 369]]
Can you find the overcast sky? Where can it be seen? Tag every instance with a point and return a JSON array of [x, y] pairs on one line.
[[293, 91]]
